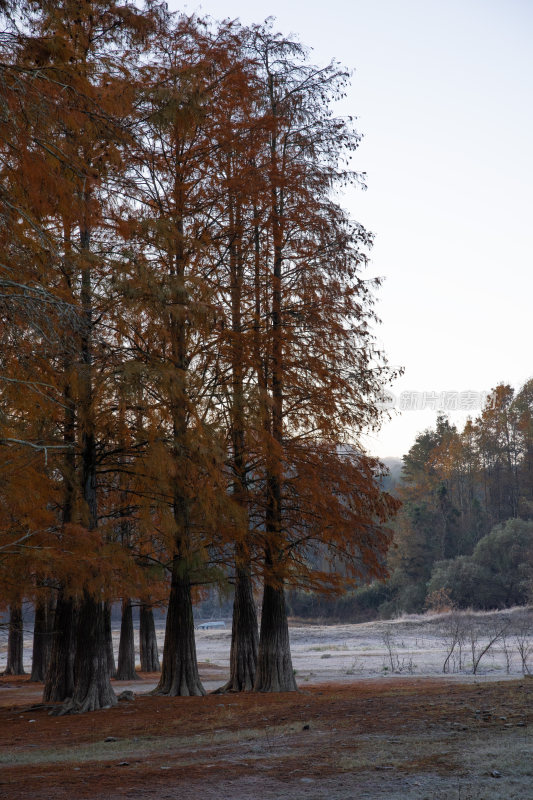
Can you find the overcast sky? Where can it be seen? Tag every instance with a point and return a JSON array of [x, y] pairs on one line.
[[443, 93]]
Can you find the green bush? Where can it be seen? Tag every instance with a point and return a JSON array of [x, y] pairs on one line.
[[358, 605], [465, 581], [498, 574]]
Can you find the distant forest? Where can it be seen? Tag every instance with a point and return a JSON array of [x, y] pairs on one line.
[[464, 535]]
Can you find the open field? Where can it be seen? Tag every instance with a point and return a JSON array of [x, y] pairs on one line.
[[412, 738], [375, 717], [415, 645]]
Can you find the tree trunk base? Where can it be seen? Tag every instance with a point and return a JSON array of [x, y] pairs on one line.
[[42, 640], [274, 664], [92, 684], [147, 640], [92, 702], [181, 687], [59, 681], [179, 676], [244, 637], [109, 640], [15, 642], [126, 650]]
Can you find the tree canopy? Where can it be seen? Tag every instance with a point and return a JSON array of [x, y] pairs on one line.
[[188, 359]]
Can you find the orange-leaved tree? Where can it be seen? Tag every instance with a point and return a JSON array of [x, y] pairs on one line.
[[169, 282], [67, 128], [319, 374]]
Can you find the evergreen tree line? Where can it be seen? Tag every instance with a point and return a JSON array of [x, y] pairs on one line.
[[464, 534], [186, 361], [468, 506]]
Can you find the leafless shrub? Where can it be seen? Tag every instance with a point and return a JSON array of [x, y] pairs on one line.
[[453, 634], [481, 644], [397, 664], [356, 666], [507, 650], [524, 644], [390, 646]]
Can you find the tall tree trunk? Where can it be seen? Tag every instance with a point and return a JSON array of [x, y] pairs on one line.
[[147, 640], [59, 681], [15, 642], [92, 687], [39, 632], [126, 648], [180, 675], [92, 680], [42, 640], [108, 635], [274, 665], [244, 635], [59, 678]]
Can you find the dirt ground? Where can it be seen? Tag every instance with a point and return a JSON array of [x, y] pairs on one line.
[[397, 737]]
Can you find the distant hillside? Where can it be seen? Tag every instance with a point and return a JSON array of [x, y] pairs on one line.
[[394, 465]]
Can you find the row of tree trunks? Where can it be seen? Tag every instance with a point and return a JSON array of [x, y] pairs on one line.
[[59, 678], [180, 669], [182, 678], [54, 640]]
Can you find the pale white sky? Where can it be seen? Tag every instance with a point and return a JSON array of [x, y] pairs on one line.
[[443, 92]]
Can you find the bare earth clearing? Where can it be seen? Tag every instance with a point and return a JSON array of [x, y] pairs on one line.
[[342, 736]]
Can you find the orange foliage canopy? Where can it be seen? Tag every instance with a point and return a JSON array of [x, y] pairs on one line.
[[187, 349]]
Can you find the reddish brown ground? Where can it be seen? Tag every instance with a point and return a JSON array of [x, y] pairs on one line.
[[165, 746]]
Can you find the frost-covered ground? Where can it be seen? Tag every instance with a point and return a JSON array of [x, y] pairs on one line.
[[415, 645], [378, 729]]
